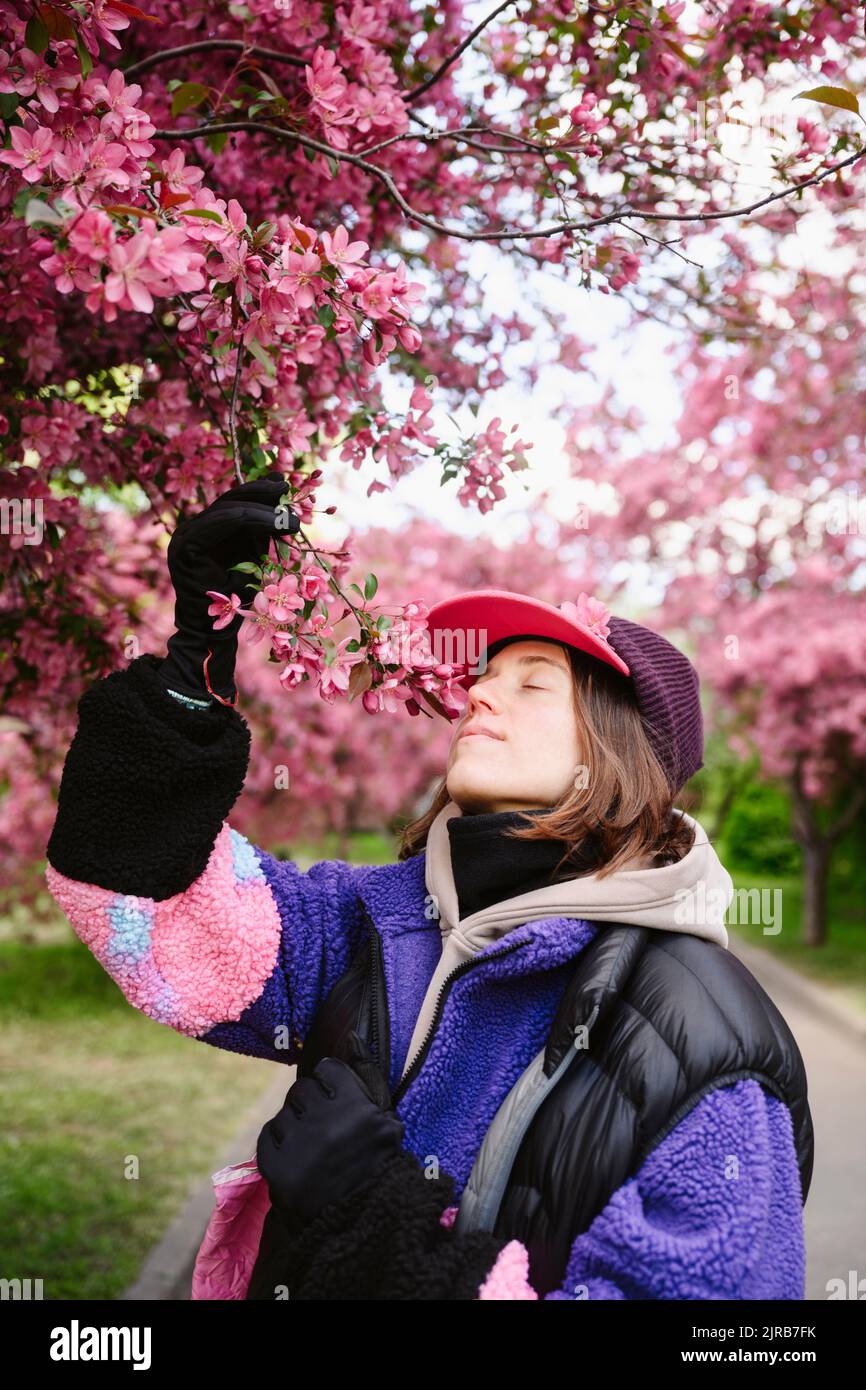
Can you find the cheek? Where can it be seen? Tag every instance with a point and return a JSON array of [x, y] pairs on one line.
[[552, 736]]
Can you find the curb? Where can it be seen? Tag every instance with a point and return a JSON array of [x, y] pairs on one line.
[[167, 1271], [819, 999]]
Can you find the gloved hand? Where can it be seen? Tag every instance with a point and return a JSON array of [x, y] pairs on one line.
[[238, 526], [335, 1131]]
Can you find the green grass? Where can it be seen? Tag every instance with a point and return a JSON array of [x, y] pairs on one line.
[[841, 961], [362, 847], [94, 1091]]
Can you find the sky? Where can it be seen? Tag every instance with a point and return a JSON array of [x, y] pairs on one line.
[[640, 365]]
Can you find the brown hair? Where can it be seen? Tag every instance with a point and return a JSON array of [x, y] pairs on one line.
[[625, 809]]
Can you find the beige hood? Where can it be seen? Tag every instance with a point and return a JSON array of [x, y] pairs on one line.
[[692, 895]]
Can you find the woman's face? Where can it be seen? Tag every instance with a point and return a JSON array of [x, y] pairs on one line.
[[528, 756]]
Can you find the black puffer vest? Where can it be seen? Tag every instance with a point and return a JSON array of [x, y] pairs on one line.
[[668, 1017]]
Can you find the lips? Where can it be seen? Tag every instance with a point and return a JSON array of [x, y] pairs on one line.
[[479, 733]]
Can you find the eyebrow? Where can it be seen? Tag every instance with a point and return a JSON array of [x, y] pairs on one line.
[[533, 661]]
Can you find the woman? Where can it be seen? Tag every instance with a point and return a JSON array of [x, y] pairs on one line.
[[532, 1012]]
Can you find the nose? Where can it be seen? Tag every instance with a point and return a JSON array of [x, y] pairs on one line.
[[482, 696]]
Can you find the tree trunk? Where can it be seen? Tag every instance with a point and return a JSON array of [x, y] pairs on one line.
[[816, 865]]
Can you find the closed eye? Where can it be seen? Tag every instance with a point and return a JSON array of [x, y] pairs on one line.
[[535, 687]]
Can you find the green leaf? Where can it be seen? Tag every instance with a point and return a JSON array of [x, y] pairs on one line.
[[356, 588], [264, 234], [333, 165], [569, 161], [85, 61], [831, 96], [245, 567], [9, 102], [207, 213], [36, 35], [325, 315], [216, 143], [22, 199], [371, 584], [262, 355], [188, 96]]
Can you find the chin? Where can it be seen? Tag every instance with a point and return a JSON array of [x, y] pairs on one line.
[[469, 795]]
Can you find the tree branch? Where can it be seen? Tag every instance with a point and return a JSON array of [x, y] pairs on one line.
[[205, 46], [508, 234]]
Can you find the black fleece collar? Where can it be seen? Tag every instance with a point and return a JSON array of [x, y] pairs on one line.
[[489, 866]]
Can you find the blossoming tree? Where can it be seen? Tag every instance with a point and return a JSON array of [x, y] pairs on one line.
[[225, 230]]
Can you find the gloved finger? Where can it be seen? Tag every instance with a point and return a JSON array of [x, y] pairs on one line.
[[334, 1073], [268, 490], [264, 492], [209, 529], [355, 1052]]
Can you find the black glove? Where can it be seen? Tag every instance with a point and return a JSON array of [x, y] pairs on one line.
[[238, 526], [334, 1133]]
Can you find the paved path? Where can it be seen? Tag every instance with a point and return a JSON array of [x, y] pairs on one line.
[[832, 1038]]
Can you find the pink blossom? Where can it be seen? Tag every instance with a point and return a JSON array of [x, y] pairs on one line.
[[283, 599], [335, 677], [92, 235], [40, 80], [375, 299], [31, 152], [128, 285], [94, 167], [299, 277], [589, 612], [106, 20], [312, 582], [260, 622], [224, 608], [339, 250], [292, 674], [69, 272], [178, 175]]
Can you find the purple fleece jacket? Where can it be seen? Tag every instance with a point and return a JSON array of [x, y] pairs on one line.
[[243, 956]]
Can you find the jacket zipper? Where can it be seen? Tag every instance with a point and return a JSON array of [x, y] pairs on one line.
[[458, 970], [375, 968]]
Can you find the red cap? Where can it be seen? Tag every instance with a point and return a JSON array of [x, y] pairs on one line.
[[491, 614]]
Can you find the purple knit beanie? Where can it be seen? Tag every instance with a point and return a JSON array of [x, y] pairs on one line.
[[667, 688], [664, 681]]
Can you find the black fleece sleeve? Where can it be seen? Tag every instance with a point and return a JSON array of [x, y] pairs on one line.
[[384, 1241], [146, 785]]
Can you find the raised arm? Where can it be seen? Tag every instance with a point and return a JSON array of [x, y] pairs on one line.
[[200, 929]]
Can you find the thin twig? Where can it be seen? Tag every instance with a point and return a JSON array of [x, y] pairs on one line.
[[233, 407], [452, 57]]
